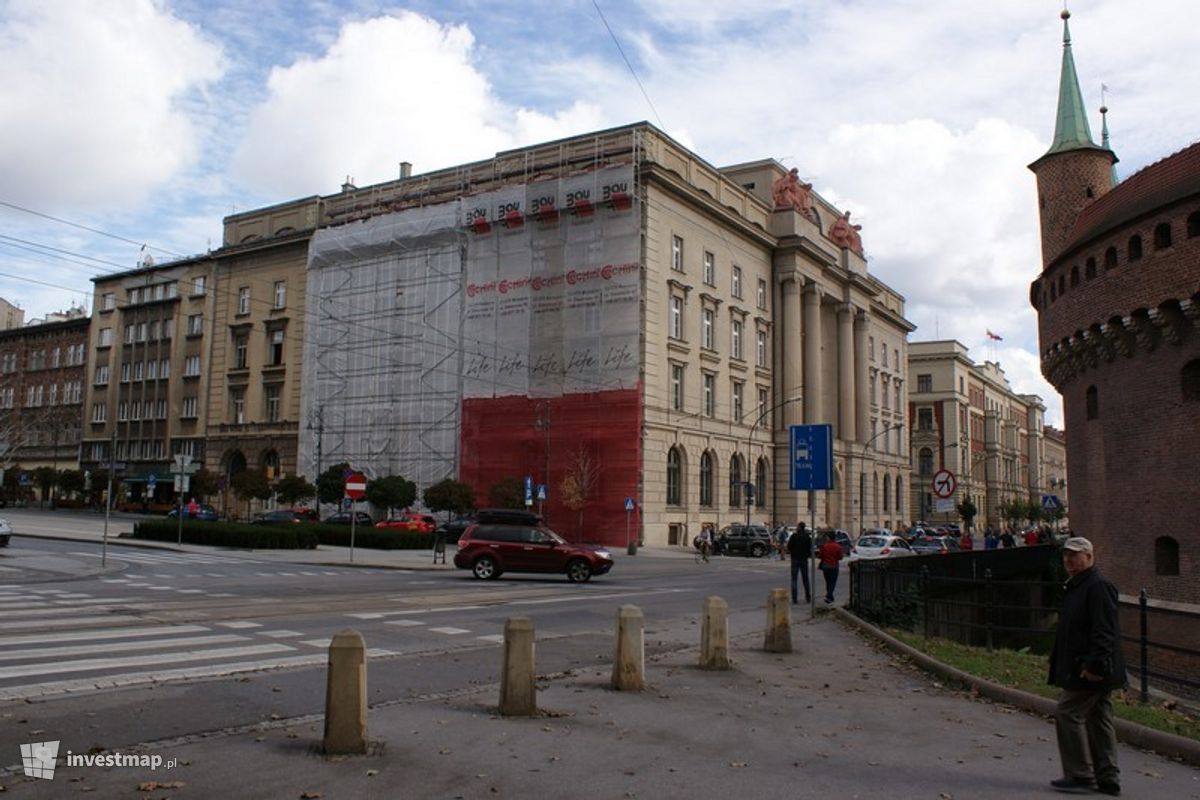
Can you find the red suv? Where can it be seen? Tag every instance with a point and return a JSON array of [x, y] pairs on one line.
[[517, 541]]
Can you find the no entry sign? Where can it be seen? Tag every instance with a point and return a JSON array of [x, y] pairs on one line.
[[356, 486]]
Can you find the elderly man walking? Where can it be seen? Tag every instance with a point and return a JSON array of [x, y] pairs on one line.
[[1086, 664]]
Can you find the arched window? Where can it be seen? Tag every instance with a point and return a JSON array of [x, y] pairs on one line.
[[1110, 258], [1135, 247], [735, 481], [706, 479], [925, 461], [1074, 276], [1062, 284], [1193, 224], [761, 478], [1089, 270], [1162, 235], [1190, 378], [1092, 401], [1166, 556], [899, 497], [674, 477], [887, 492]]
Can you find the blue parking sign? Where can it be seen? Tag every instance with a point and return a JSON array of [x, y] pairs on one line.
[[811, 448]]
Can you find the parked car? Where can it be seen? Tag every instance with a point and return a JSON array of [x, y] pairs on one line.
[[839, 535], [306, 514], [881, 546], [739, 540], [409, 521], [280, 516], [517, 541], [935, 544], [361, 519], [5, 532], [455, 528], [204, 513]]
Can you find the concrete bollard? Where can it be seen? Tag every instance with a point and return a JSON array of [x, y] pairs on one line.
[[518, 690], [629, 663], [778, 638], [346, 695], [714, 634]]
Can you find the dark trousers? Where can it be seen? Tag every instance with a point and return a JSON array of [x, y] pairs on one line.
[[800, 567], [831, 576], [1087, 740]]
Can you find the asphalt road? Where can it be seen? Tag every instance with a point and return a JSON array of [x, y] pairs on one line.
[[166, 644]]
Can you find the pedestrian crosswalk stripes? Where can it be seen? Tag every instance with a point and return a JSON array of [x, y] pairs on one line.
[[59, 667], [105, 633], [115, 647]]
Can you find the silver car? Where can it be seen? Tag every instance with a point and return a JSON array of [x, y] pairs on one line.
[[881, 546]]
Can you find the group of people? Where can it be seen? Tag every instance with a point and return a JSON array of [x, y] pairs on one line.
[[829, 554]]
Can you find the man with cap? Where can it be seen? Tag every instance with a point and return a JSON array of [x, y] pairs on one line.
[[1086, 664]]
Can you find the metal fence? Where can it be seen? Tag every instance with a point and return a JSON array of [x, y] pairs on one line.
[[1010, 599]]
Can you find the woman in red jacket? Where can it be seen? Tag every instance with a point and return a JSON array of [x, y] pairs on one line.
[[830, 554]]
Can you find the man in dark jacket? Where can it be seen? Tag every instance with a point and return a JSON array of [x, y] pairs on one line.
[[1086, 664], [800, 549]]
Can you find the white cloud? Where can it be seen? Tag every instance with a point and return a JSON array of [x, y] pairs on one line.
[[93, 108]]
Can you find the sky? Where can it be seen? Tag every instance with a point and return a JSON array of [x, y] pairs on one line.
[[131, 123]]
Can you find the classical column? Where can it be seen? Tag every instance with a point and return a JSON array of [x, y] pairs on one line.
[[861, 401], [813, 413], [790, 342], [847, 409]]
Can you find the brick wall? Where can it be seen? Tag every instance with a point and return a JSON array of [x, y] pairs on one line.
[[1067, 183]]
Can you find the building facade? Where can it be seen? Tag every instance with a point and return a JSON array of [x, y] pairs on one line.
[[1117, 301], [968, 420], [42, 376]]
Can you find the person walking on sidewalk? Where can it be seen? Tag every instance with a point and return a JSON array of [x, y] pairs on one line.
[[1086, 664], [799, 547], [830, 554]]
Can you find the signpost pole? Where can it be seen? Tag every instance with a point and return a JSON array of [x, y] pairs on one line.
[[630, 544], [353, 518], [112, 466]]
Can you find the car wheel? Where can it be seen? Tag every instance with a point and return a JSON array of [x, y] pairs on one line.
[[578, 571], [485, 568], [758, 549]]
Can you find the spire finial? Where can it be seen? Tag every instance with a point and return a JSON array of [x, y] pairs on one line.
[[1071, 130]]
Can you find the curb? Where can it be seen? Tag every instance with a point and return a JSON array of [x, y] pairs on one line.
[[1161, 742]]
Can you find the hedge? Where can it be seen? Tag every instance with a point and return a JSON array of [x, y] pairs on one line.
[[284, 536], [374, 538]]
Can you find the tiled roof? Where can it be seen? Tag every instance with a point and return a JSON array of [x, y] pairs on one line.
[[1160, 184]]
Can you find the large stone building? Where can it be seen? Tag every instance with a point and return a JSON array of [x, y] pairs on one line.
[[1118, 302], [42, 376], [968, 420]]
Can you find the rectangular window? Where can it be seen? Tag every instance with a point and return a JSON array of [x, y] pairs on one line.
[[885, 393], [240, 346], [53, 393], [924, 383], [99, 412], [189, 408], [244, 300], [280, 294], [708, 322], [271, 397], [737, 400], [735, 339], [736, 281], [191, 367], [164, 368], [155, 330], [871, 393], [101, 375], [677, 253], [710, 394], [677, 387], [924, 419], [139, 370], [135, 410], [195, 324], [168, 328], [762, 294], [676, 317], [172, 290], [275, 356], [135, 296], [99, 451], [896, 385], [55, 356], [161, 409], [883, 351], [158, 291], [151, 370], [104, 338], [142, 330], [198, 285], [870, 348], [762, 408], [710, 268], [237, 406], [122, 411], [108, 301], [760, 348]]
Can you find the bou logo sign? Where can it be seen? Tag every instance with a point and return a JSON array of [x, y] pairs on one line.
[[811, 448]]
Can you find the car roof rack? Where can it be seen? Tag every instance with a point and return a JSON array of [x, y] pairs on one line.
[[509, 516]]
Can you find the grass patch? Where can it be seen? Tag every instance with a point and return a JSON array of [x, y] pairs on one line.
[[1027, 671]]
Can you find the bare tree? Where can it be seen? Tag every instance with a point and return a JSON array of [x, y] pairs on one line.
[[580, 482]]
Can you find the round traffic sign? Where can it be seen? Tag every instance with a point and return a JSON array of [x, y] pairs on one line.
[[356, 485], [944, 483]]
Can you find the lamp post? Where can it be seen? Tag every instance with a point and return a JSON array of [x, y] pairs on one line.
[[867, 444], [750, 442]]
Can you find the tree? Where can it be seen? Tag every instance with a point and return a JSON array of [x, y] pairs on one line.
[[967, 510], [507, 493], [45, 478], [294, 489], [203, 483], [450, 495], [581, 481], [331, 484], [250, 484], [391, 491], [70, 481]]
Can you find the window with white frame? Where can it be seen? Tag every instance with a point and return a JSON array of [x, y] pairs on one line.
[[188, 410], [707, 323], [28, 396], [763, 399], [280, 294], [896, 388], [883, 351], [122, 411], [53, 394], [101, 375], [884, 393], [677, 253], [104, 337], [237, 406], [55, 356], [151, 370], [160, 409], [761, 297], [198, 285], [191, 366], [871, 391], [244, 300], [275, 354], [159, 291], [164, 368], [871, 348], [142, 331], [677, 387], [195, 324], [76, 392], [99, 451], [676, 322], [735, 338], [135, 410], [108, 301], [241, 344], [760, 348], [99, 412], [130, 332], [710, 269], [737, 397], [710, 394], [736, 282], [271, 401]]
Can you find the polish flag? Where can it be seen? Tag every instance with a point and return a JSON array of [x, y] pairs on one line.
[[994, 337]]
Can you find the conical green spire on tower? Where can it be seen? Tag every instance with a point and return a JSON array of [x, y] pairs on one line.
[[1071, 129], [1104, 140]]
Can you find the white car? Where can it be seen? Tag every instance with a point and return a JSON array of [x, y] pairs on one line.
[[879, 546]]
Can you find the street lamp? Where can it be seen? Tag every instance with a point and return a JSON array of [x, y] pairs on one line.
[[750, 443], [866, 445]]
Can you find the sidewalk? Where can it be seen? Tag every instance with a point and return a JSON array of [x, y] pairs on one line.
[[838, 718]]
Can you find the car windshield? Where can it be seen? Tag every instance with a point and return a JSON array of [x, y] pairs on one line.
[[872, 541], [554, 536]]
